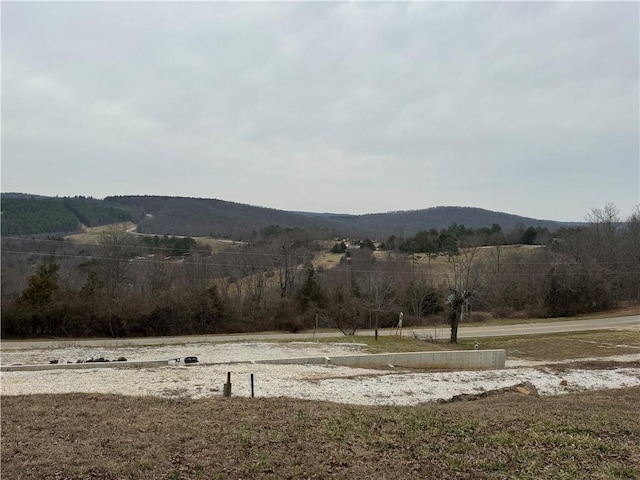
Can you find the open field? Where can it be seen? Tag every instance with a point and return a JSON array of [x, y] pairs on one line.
[[480, 253], [218, 245], [326, 260], [558, 347], [592, 435], [93, 235]]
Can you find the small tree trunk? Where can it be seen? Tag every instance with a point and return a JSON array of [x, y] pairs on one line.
[[454, 320], [454, 331]]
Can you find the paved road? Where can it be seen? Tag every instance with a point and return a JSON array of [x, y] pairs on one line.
[[628, 322]]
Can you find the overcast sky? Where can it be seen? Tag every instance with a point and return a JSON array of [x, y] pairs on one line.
[[525, 108]]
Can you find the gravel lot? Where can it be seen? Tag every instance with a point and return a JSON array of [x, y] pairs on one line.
[[330, 383]]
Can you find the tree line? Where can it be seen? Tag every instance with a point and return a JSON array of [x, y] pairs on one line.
[[130, 285], [448, 240]]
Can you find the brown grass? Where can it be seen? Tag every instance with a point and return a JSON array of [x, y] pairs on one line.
[[563, 346], [93, 235], [580, 436], [552, 347], [326, 260]]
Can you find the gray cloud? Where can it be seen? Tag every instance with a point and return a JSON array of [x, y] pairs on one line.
[[530, 108]]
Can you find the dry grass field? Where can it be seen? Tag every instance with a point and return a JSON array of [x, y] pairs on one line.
[[218, 245], [549, 347], [326, 260], [93, 235], [580, 436], [565, 346], [589, 435]]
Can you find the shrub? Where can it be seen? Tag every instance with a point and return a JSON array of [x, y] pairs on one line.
[[502, 311], [477, 317]]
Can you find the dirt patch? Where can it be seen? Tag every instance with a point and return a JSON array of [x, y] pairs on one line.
[[591, 365], [525, 388]]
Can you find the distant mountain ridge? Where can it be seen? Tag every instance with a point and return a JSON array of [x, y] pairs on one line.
[[218, 218], [412, 221]]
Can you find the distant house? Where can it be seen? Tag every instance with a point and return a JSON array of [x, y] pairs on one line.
[[352, 246]]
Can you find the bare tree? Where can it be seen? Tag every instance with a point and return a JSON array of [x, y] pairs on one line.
[[603, 226], [377, 290], [288, 258], [344, 308], [630, 253], [115, 251], [464, 281], [247, 273], [114, 257], [346, 311]]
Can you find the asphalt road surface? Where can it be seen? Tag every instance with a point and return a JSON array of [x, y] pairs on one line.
[[627, 322]]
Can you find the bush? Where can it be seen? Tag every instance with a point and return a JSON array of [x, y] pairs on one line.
[[503, 312], [339, 248], [292, 325], [285, 316], [477, 317], [569, 293]]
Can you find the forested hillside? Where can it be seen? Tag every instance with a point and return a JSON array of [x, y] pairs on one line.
[[160, 215], [210, 217], [23, 215], [217, 218]]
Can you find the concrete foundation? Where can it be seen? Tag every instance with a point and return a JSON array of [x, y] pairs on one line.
[[456, 359], [450, 360], [83, 366]]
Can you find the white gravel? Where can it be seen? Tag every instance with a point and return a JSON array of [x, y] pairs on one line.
[[317, 382]]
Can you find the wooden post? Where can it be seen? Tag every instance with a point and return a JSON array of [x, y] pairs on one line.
[[227, 386], [252, 390]]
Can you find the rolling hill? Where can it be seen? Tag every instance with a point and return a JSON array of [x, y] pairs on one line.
[[24, 214]]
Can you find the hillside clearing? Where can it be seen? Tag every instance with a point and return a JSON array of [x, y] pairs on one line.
[[94, 235]]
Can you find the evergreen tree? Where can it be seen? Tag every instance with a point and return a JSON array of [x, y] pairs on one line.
[[42, 285]]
